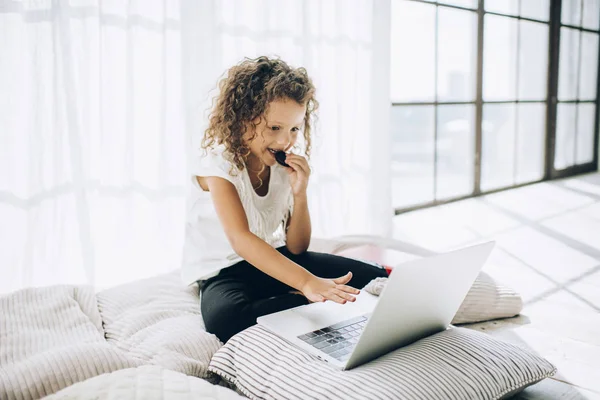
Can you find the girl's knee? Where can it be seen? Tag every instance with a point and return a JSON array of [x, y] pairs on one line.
[[224, 320], [225, 315], [364, 272]]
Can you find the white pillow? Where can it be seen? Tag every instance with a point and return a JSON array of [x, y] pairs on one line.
[[455, 364], [486, 300]]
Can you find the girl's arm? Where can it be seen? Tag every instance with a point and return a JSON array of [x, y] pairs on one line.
[[264, 257], [299, 228]]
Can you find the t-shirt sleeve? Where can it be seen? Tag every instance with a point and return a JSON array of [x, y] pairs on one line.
[[212, 163]]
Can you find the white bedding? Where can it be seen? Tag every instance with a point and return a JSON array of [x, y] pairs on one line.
[[158, 321], [148, 382], [54, 337], [151, 331]]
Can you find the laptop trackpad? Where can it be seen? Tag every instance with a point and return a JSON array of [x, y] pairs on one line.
[[313, 316], [323, 314], [328, 313]]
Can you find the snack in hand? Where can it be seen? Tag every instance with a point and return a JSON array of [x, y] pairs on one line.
[[280, 157]]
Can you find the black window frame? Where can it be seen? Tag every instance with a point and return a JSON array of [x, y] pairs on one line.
[[549, 172]]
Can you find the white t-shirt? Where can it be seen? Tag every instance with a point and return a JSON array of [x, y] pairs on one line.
[[207, 249]]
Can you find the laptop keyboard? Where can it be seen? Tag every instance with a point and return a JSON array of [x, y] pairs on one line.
[[337, 340]]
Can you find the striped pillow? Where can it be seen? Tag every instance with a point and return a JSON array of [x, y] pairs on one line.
[[487, 299], [455, 364]]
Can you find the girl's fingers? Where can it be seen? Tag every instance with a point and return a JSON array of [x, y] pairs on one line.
[[317, 298], [292, 164], [304, 163], [342, 280], [348, 289], [334, 297], [295, 163], [300, 161], [344, 295], [298, 168]]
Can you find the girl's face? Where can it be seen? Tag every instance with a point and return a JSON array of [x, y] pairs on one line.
[[278, 130]]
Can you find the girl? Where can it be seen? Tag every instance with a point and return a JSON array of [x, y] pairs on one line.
[[248, 226]]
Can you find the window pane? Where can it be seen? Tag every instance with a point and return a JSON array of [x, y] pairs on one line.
[[460, 3], [565, 136], [498, 147], [531, 142], [535, 9], [591, 14], [499, 58], [533, 61], [510, 7], [588, 73], [571, 12], [413, 148], [413, 51], [586, 120], [568, 64], [457, 50], [455, 150]]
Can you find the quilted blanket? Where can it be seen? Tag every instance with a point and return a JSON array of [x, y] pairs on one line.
[[148, 382], [54, 337]]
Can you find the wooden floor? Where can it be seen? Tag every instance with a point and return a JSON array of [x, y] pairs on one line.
[[548, 249]]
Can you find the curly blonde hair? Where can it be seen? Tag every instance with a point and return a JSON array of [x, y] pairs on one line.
[[244, 97]]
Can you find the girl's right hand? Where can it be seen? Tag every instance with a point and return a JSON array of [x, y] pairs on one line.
[[321, 289]]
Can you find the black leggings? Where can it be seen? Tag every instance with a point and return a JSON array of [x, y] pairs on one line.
[[232, 300]]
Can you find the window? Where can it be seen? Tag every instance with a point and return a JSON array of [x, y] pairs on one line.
[[577, 84], [434, 60], [472, 89]]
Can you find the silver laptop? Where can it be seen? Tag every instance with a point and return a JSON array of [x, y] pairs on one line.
[[421, 298]]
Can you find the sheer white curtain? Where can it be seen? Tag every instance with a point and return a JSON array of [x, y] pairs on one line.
[[92, 141], [344, 45], [102, 101]]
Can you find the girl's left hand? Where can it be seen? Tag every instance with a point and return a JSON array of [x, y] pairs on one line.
[[298, 172]]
